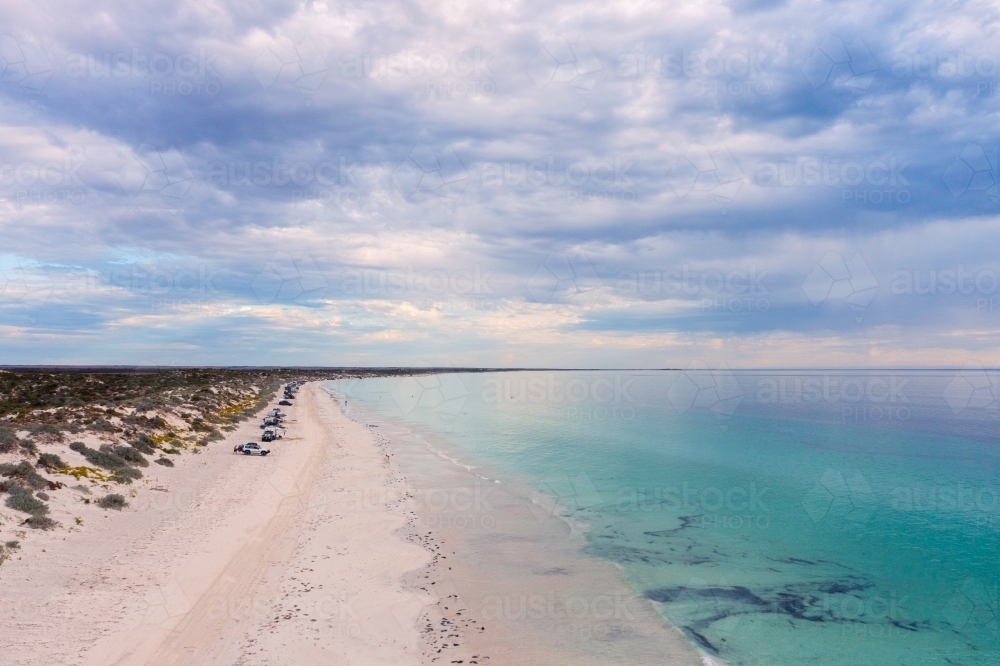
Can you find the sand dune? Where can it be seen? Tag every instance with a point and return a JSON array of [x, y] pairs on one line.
[[277, 560]]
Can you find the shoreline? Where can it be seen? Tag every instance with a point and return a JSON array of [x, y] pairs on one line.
[[513, 583], [351, 543]]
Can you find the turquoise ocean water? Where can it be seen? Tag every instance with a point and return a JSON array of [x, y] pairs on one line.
[[777, 519]]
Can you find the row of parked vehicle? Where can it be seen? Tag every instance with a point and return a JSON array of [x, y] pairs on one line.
[[290, 391], [271, 426]]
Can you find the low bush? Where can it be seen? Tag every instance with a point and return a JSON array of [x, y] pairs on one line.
[[112, 501], [42, 495], [128, 453], [166, 462], [25, 474], [103, 425], [8, 440], [126, 475], [47, 431], [122, 470], [21, 499], [50, 461], [40, 523], [144, 445]]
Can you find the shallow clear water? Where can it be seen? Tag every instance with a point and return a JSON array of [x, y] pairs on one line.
[[776, 518]]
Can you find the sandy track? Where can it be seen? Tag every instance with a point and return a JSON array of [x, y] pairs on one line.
[[196, 634], [246, 560]]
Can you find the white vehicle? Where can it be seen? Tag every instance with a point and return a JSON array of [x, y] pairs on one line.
[[270, 434], [252, 449]]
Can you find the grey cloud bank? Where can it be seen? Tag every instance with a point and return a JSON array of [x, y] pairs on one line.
[[594, 184]]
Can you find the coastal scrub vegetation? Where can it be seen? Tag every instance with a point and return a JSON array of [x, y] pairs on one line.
[[118, 420], [112, 501]]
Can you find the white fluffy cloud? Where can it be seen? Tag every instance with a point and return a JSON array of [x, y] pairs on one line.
[[596, 183]]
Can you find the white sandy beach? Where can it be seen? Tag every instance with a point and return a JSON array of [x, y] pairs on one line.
[[242, 560], [320, 553]]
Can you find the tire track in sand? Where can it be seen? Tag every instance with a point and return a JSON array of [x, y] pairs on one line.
[[198, 632]]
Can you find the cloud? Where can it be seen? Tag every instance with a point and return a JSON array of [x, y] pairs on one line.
[[630, 178]]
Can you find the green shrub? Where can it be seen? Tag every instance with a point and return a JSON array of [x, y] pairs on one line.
[[40, 523], [42, 495], [50, 461], [127, 453], [103, 425], [123, 472], [112, 501], [166, 462], [12, 545], [144, 445], [8, 440], [46, 430], [24, 473], [21, 499], [126, 475]]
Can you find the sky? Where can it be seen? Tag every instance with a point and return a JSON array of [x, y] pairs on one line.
[[751, 183]]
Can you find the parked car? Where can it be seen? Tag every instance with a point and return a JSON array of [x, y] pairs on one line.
[[285, 403], [242, 448], [270, 434]]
